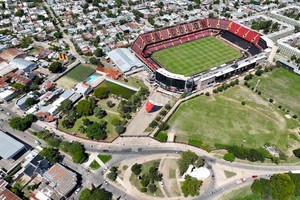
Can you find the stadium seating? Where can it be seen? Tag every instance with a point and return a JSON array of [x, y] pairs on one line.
[[157, 40]]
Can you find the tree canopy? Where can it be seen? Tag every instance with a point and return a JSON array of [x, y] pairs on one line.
[[97, 131], [190, 186], [95, 194], [282, 186], [136, 168], [98, 52], [86, 107], [55, 67], [187, 158], [101, 93], [25, 42], [21, 124], [65, 106], [51, 154]]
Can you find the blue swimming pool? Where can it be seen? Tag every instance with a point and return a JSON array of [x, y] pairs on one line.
[[92, 78]]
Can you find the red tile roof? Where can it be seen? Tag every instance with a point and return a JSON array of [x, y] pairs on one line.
[[110, 72]]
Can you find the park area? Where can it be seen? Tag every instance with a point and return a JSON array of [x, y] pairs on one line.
[[196, 56], [282, 86], [76, 75], [223, 119]]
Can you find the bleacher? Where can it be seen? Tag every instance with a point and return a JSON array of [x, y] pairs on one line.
[[254, 50], [235, 39]]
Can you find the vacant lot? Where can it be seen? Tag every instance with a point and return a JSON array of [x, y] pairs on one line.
[[193, 57], [222, 119], [79, 73], [283, 86]]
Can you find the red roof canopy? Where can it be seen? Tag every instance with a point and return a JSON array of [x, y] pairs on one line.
[[149, 106]]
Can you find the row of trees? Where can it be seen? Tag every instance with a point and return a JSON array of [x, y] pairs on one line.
[[225, 86], [22, 123], [95, 193], [74, 149]]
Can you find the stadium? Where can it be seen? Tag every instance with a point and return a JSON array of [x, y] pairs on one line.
[[201, 53]]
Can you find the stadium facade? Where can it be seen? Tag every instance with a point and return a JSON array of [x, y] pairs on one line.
[[257, 50]]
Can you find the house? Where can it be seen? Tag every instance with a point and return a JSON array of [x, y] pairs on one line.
[[10, 54], [111, 73], [45, 116], [38, 165], [60, 180], [5, 193], [83, 88], [23, 64]]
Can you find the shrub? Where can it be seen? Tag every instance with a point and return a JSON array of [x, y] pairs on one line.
[[271, 100], [206, 93], [229, 157], [120, 129], [280, 106], [144, 190], [243, 103], [215, 91], [295, 116], [259, 92], [259, 72]]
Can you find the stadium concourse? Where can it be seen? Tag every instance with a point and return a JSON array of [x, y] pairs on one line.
[[250, 43]]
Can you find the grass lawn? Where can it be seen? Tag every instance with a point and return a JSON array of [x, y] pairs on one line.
[[196, 56], [111, 133], [77, 74], [132, 81], [162, 136], [237, 194], [117, 89], [283, 86], [94, 165], [222, 119], [229, 174], [145, 169], [104, 157]]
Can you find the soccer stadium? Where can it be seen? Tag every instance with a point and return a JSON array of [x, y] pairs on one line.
[[201, 53]]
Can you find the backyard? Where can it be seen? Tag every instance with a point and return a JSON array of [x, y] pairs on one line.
[[118, 90]]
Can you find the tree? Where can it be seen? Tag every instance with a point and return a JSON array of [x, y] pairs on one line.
[[58, 35], [99, 113], [259, 72], [51, 154], [95, 61], [229, 157], [25, 42], [113, 174], [120, 129], [21, 124], [85, 107], [99, 52], [55, 67], [190, 186], [199, 162], [101, 93], [30, 101], [255, 155], [97, 131], [19, 13], [145, 180], [136, 168], [187, 158], [94, 194], [282, 186], [152, 188], [65, 106]]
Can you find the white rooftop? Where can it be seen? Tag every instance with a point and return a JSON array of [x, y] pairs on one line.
[[9, 147]]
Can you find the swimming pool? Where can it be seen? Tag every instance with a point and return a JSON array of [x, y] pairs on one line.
[[92, 78]]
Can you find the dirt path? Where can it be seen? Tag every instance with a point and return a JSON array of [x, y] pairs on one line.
[[168, 168]]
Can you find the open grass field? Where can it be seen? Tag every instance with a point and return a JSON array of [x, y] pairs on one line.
[[222, 119], [104, 157], [79, 73], [116, 89], [196, 56], [283, 86]]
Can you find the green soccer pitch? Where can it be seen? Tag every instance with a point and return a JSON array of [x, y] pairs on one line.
[[197, 56]]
